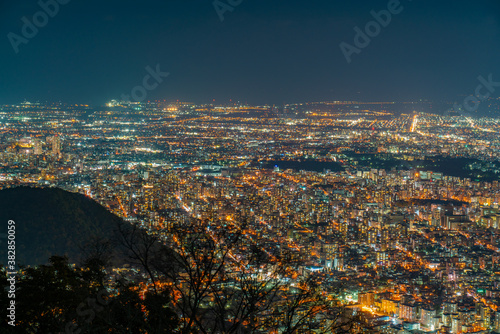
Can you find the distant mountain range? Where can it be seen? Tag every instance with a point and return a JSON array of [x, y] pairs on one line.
[[52, 222]]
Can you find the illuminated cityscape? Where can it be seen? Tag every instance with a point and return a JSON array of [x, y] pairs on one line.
[[399, 210], [250, 167]]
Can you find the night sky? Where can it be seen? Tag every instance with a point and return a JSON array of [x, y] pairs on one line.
[[263, 52]]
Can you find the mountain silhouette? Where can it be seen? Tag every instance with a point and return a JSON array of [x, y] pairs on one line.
[[51, 221]]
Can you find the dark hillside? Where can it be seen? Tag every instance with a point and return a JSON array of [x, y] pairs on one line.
[[52, 222]]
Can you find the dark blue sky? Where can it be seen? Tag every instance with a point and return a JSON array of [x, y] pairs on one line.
[[263, 52]]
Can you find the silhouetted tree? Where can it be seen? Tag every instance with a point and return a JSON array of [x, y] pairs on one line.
[[58, 297]]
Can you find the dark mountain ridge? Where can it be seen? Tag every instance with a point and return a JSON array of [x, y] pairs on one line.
[[51, 221]]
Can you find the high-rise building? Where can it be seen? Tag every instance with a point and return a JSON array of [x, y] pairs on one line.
[[497, 322], [456, 324], [37, 146], [428, 318], [408, 312], [366, 299], [56, 145], [485, 316]]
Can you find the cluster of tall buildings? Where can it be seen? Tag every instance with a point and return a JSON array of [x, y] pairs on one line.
[[54, 144]]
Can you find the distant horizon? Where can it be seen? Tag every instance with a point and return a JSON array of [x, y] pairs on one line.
[[228, 102]]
